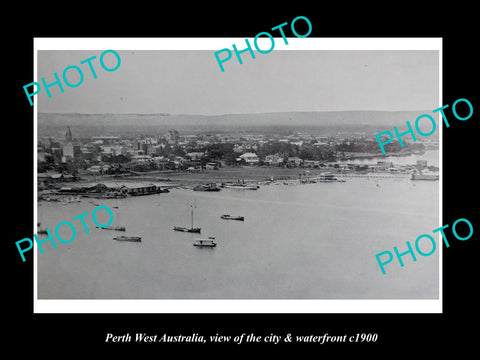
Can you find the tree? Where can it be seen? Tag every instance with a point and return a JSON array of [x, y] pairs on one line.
[[178, 151], [308, 153]]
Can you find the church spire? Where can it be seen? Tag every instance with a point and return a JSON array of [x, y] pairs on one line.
[[68, 135]]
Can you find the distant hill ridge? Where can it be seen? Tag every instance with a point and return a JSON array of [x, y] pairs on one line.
[[322, 118]]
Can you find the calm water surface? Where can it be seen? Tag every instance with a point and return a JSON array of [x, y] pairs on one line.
[[315, 241]]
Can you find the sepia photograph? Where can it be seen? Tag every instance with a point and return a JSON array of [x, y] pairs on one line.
[[161, 177]]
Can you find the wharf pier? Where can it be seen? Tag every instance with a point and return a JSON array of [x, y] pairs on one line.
[[375, 176]]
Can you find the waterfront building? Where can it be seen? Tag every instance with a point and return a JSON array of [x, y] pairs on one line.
[[138, 189], [211, 166], [311, 163], [250, 158], [294, 161], [45, 180], [384, 165], [274, 159]]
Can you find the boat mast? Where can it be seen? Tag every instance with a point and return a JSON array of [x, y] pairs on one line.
[[191, 227], [118, 212], [192, 206]]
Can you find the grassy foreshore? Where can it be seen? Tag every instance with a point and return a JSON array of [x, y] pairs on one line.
[[224, 174]]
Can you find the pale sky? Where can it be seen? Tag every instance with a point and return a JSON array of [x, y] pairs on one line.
[[190, 82]]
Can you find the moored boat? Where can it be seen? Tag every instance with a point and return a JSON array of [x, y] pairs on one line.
[[205, 242], [191, 229], [207, 187], [41, 230], [128, 238], [184, 229], [231, 217], [115, 228], [326, 177]]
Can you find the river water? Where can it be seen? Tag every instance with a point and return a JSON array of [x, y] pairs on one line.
[[312, 241]]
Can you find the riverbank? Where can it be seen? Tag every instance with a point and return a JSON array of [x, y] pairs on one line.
[[157, 181], [224, 174]]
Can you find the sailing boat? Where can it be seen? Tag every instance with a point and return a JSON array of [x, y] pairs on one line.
[[116, 228], [41, 230], [191, 229]]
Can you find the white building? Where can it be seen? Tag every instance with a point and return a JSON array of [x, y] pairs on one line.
[[250, 158]]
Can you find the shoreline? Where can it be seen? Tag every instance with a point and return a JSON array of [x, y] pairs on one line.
[[158, 181], [247, 176], [230, 174]]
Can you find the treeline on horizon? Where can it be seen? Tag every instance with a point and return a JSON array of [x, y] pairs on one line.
[[130, 131], [314, 123]]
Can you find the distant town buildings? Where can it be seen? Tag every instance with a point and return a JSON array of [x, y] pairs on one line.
[[70, 158]]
